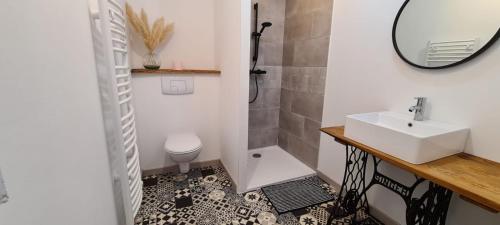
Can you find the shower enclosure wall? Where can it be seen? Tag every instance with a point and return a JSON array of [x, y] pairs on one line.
[[305, 56], [288, 111], [264, 112]]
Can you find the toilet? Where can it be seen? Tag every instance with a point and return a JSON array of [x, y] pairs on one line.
[[183, 148]]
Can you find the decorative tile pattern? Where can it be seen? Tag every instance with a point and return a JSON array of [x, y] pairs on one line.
[[165, 178], [320, 214], [249, 221], [204, 196], [207, 219], [163, 219], [308, 219], [166, 207], [217, 195], [185, 214], [243, 211], [182, 193], [150, 181], [207, 171], [266, 218], [210, 179], [288, 219], [183, 202], [252, 197]]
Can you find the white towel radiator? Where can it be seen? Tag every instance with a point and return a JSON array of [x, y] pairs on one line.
[[439, 53], [112, 35]]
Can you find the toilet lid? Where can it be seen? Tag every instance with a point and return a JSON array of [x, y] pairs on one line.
[[182, 143]]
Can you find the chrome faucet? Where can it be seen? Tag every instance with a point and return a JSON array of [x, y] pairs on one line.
[[419, 109]]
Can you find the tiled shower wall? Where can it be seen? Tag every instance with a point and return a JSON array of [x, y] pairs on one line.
[[305, 55], [264, 113], [294, 52]]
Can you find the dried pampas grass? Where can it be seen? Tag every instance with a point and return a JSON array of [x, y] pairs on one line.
[[153, 36]]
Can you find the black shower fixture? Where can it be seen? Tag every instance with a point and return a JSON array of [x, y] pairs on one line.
[[256, 37], [264, 25]]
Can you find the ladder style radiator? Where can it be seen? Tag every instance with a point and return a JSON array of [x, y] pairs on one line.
[[439, 53], [113, 35]]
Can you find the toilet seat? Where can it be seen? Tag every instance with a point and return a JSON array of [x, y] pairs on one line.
[[182, 143]]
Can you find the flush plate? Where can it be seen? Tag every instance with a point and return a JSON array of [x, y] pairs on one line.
[[177, 85]]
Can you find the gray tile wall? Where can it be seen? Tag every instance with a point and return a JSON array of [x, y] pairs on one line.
[[305, 55], [294, 51], [264, 113]]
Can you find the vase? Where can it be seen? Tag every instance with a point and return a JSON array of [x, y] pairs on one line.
[[151, 61]]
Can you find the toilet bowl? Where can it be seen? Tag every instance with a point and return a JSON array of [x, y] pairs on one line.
[[183, 148]]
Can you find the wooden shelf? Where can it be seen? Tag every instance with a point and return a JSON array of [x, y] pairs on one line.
[[475, 179], [173, 71]]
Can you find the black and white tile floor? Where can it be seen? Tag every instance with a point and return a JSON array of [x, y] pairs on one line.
[[205, 196]]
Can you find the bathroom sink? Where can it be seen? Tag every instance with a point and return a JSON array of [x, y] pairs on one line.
[[399, 135]]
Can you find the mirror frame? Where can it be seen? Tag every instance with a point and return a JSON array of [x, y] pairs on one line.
[[395, 44]]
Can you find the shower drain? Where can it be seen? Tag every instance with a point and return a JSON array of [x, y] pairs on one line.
[[256, 155]]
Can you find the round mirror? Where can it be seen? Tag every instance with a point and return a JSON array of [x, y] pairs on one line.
[[436, 34]]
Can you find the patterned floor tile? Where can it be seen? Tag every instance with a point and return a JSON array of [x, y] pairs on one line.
[[204, 196], [166, 206], [308, 219], [267, 218], [185, 214], [222, 205], [226, 183], [181, 193], [181, 184], [243, 211], [207, 171], [208, 219], [183, 202], [202, 209], [195, 182], [194, 173], [210, 179], [249, 221], [252, 197], [165, 178], [327, 205], [217, 195], [166, 219], [320, 214], [165, 190], [287, 219], [150, 181]]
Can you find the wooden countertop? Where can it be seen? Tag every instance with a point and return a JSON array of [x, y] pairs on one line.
[[477, 180], [173, 71]]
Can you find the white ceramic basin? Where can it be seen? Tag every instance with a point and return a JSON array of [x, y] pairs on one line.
[[418, 143]]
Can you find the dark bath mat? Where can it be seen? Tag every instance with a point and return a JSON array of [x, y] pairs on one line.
[[295, 195]]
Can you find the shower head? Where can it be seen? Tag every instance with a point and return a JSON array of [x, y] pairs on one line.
[[264, 25], [267, 24]]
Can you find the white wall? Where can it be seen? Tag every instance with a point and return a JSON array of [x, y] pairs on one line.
[[158, 115], [52, 147], [232, 56], [365, 74], [192, 42]]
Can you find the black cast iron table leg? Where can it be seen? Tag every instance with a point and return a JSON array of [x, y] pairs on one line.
[[429, 209], [352, 197]]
